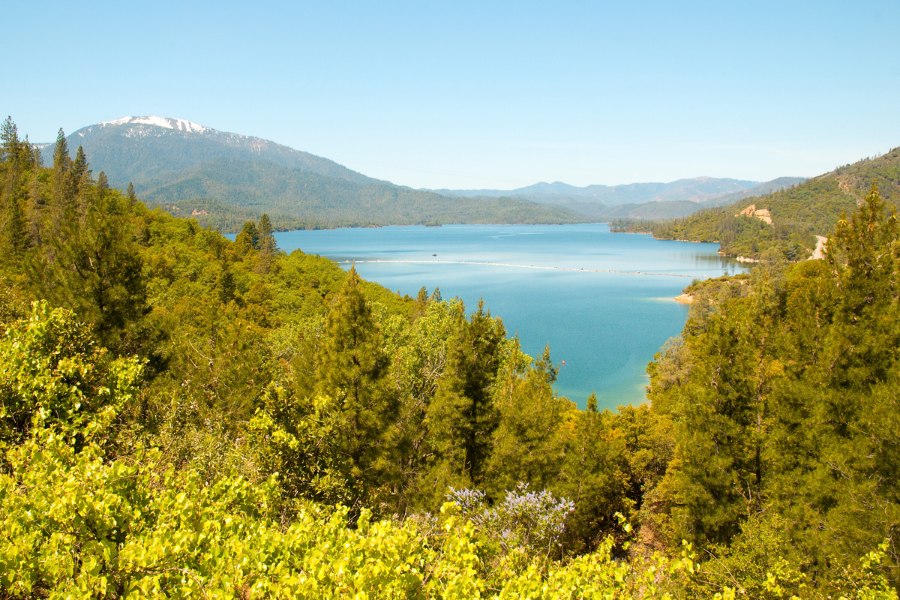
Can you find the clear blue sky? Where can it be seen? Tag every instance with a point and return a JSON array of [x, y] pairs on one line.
[[480, 94]]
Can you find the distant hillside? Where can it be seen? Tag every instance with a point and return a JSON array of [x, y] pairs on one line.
[[223, 178], [697, 189], [798, 214], [650, 201], [762, 189]]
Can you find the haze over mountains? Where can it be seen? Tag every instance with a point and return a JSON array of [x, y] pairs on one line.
[[225, 178], [638, 200]]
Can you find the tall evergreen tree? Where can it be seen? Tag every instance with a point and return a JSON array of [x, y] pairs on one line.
[[266, 244], [80, 165], [247, 239], [462, 417], [61, 159], [15, 158], [16, 152], [81, 172], [102, 185], [266, 238], [352, 365], [62, 187], [9, 137], [87, 259], [525, 446]]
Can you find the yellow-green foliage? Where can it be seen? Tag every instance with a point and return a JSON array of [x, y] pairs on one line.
[[56, 376], [76, 525]]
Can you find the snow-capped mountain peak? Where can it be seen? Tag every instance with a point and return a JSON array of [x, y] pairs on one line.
[[165, 122]]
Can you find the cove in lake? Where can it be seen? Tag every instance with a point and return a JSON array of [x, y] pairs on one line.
[[602, 301]]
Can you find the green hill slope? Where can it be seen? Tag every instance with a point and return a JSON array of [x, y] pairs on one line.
[[798, 214], [229, 188]]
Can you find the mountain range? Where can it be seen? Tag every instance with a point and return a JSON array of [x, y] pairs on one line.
[[648, 201], [226, 178]]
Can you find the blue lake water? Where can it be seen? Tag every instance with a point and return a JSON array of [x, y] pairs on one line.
[[602, 301]]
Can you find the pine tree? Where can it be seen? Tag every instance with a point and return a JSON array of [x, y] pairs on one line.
[[17, 153], [480, 357], [462, 417], [266, 244], [80, 170], [421, 302], [9, 151], [87, 259], [61, 159], [247, 239], [102, 185], [863, 255], [62, 187], [525, 446], [266, 238], [593, 473], [15, 156], [226, 285], [450, 430], [352, 365]]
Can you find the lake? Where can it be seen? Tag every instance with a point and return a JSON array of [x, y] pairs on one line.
[[603, 301]]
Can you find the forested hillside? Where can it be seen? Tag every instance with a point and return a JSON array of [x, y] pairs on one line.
[[186, 416], [798, 214], [223, 179]]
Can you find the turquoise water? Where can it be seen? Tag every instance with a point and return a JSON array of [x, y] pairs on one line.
[[602, 301]]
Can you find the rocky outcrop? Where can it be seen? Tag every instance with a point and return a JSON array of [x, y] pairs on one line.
[[762, 214]]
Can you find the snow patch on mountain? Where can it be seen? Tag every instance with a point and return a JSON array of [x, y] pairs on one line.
[[165, 122]]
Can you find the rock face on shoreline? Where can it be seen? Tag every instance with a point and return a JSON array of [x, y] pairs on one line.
[[684, 299]]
